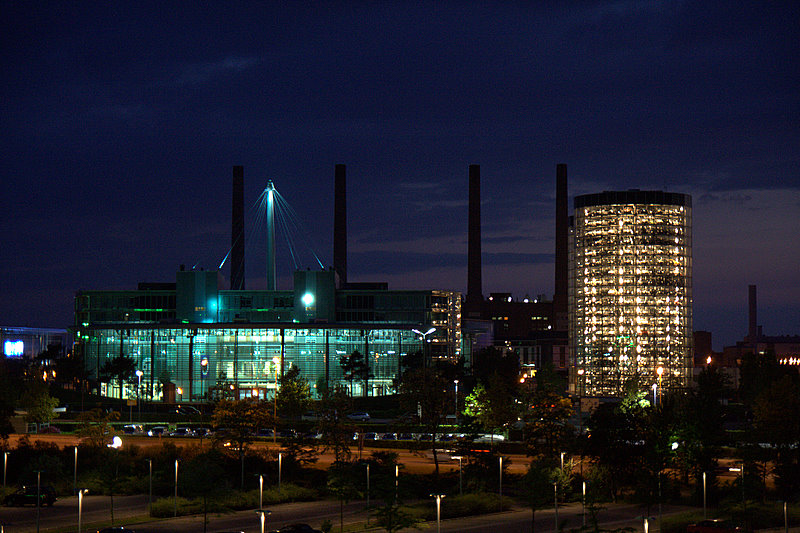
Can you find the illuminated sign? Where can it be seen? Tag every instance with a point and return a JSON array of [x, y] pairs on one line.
[[13, 348]]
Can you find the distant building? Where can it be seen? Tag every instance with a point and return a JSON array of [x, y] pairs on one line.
[[631, 291], [27, 343]]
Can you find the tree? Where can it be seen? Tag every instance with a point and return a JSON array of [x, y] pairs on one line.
[[342, 481], [120, 368], [355, 367], [427, 390], [337, 432], [237, 421], [495, 404], [537, 486], [95, 427], [294, 395], [545, 416], [39, 404], [202, 475]]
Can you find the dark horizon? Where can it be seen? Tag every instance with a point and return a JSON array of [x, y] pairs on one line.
[[121, 125]]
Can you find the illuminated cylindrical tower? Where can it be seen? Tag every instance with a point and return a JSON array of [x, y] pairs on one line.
[[631, 285]]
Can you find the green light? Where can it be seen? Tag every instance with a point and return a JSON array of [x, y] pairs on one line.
[[308, 299]]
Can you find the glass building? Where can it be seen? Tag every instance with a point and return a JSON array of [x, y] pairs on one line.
[[193, 342], [631, 292]]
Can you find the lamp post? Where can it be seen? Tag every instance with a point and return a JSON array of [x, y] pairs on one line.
[[562, 461], [555, 500], [5, 465], [455, 381], [280, 467], [367, 489], [744, 502], [396, 480], [261, 492], [74, 473], [660, 372], [80, 506], [460, 484], [38, 496], [139, 375], [150, 492], [276, 361], [262, 516], [424, 341], [180, 394], [175, 506], [438, 511], [704, 495], [501, 482], [583, 505], [655, 390]]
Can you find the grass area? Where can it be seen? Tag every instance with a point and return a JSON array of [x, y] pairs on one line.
[[231, 501]]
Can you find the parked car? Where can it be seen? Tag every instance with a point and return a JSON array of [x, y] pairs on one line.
[[27, 496], [187, 410], [714, 525], [296, 528], [203, 432], [388, 436], [405, 436], [264, 432], [132, 429], [359, 417], [157, 431], [182, 432]]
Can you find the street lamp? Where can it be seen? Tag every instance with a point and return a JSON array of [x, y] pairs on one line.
[[175, 506], [367, 489], [38, 496], [74, 473], [280, 466], [424, 340], [276, 361], [660, 372], [80, 506], [583, 505], [555, 500], [150, 493], [460, 485], [655, 389], [262, 515], [562, 461], [139, 375], [261, 492], [180, 394], [704, 495], [396, 480], [456, 413], [438, 510], [5, 464], [501, 482]]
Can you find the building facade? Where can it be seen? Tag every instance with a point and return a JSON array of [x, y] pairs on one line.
[[630, 292], [193, 341]]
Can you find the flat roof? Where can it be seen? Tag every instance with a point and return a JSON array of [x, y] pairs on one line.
[[633, 196]]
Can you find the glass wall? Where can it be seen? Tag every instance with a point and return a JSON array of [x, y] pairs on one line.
[[196, 363]]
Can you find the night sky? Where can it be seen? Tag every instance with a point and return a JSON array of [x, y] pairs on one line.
[[121, 121]]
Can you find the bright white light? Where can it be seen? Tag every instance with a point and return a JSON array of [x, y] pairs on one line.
[[308, 299], [115, 443]]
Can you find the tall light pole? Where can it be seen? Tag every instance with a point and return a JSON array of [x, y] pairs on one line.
[[704, 495], [424, 343], [80, 506], [150, 493], [655, 390], [262, 516], [139, 375], [501, 482], [261, 492], [438, 511], [175, 507], [276, 361], [280, 467], [5, 465], [660, 372], [75, 473], [562, 461], [368, 490], [583, 505], [555, 500], [396, 480], [38, 496], [455, 381], [460, 484]]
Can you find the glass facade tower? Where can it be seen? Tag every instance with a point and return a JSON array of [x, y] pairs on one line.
[[631, 292]]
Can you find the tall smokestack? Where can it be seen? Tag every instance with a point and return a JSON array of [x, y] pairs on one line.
[[237, 230], [753, 315], [474, 272], [340, 224], [562, 224]]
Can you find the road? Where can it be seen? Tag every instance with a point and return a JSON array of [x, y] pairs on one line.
[[128, 510]]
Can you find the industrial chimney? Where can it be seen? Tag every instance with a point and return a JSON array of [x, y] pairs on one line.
[[474, 300], [340, 225], [753, 314], [237, 230]]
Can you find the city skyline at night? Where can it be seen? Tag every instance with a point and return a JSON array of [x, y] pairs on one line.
[[121, 124]]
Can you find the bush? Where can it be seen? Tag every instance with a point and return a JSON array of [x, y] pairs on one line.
[[466, 505]]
